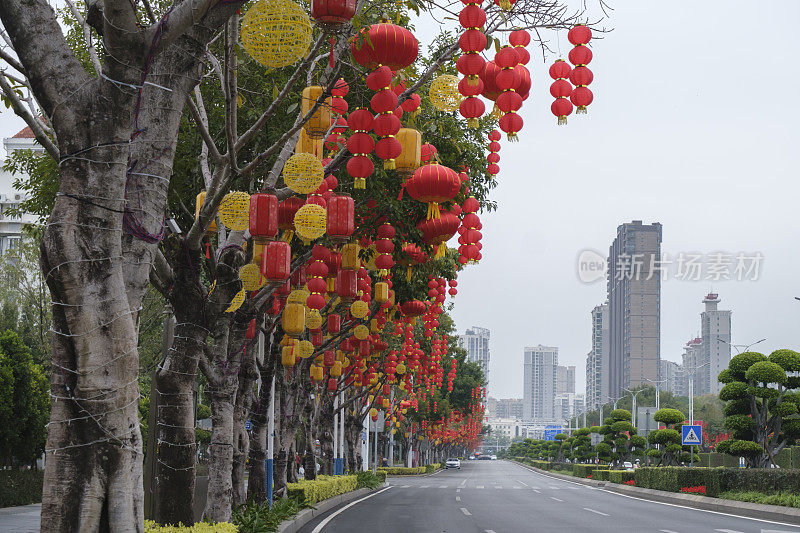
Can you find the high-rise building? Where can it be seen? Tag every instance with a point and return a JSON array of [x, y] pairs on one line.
[[715, 326], [597, 360], [565, 379], [476, 342], [671, 373], [539, 383], [693, 367], [508, 408], [568, 405], [634, 298]]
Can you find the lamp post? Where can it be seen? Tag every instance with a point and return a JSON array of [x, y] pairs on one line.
[[657, 383], [691, 390], [633, 403]]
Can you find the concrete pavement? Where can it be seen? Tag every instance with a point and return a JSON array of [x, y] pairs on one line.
[[24, 518], [501, 497]]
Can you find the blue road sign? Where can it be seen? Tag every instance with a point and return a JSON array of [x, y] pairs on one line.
[[550, 432], [247, 426], [691, 435]]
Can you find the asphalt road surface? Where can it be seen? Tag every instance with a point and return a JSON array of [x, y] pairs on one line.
[[501, 497]]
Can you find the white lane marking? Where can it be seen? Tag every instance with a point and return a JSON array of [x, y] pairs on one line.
[[479, 487], [458, 490], [437, 472], [727, 531], [515, 487], [489, 531], [405, 486], [775, 531], [522, 483], [463, 510], [498, 487], [458, 498], [556, 499], [424, 486], [667, 531], [335, 514], [443, 486], [536, 491], [593, 511]]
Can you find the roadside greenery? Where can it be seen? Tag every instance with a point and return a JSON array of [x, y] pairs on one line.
[[786, 499]]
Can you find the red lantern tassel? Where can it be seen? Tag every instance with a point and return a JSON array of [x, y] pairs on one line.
[[330, 58]]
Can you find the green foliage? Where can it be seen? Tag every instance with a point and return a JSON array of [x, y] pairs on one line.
[[786, 499], [24, 403], [745, 448], [203, 411], [261, 518], [766, 372], [734, 390], [620, 476], [725, 376], [322, 488], [669, 416], [789, 360], [673, 479], [740, 363], [200, 527], [368, 480], [585, 470], [20, 487], [36, 175], [404, 471], [620, 414]]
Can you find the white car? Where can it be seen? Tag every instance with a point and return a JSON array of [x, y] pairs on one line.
[[494, 458], [627, 465], [452, 463]]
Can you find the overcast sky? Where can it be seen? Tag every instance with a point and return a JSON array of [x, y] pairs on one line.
[[692, 127]]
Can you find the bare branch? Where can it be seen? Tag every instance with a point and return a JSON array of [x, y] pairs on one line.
[[12, 61], [30, 120], [87, 36], [231, 91], [198, 111]]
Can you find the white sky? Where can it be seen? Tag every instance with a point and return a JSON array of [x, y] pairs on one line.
[[691, 126]]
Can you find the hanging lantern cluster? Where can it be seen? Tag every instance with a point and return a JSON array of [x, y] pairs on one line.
[[509, 101], [453, 290], [561, 89], [472, 42], [339, 105], [360, 144], [451, 375], [437, 231], [384, 246], [580, 56], [470, 235], [316, 272], [386, 123], [492, 160]]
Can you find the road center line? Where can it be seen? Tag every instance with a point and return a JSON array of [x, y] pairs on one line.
[[556, 499], [463, 510], [537, 491], [458, 490], [667, 531], [334, 515], [523, 483], [595, 512], [458, 498], [727, 531]]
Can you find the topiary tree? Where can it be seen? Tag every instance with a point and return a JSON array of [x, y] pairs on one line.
[[618, 432], [669, 438], [762, 405]]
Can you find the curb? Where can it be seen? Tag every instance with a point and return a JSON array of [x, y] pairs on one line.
[[306, 515], [761, 511]]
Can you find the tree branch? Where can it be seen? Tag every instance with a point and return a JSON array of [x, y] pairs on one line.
[[12, 61], [87, 36], [186, 14], [231, 91], [198, 111], [30, 120]]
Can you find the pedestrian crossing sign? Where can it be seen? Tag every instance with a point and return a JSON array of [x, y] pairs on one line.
[[692, 435]]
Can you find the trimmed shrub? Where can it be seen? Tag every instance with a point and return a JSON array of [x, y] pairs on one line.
[[20, 487], [200, 527], [542, 465], [795, 457], [766, 480], [673, 479], [322, 488], [601, 475], [785, 499], [784, 458], [404, 471], [620, 476], [579, 470]]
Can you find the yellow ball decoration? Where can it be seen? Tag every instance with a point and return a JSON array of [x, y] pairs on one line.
[[313, 319], [359, 309], [306, 349], [444, 93], [237, 302], [361, 332], [234, 210], [297, 297], [251, 277], [310, 221], [303, 173], [276, 33]]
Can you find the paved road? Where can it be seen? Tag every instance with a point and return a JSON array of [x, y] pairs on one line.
[[21, 519], [501, 497]]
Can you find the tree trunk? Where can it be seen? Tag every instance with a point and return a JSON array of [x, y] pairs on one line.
[[256, 487], [244, 400]]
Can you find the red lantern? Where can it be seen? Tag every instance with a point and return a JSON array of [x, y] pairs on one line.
[[360, 166], [471, 108], [286, 212], [276, 262], [489, 79], [579, 34], [334, 323], [433, 184], [581, 97], [472, 42], [388, 44], [561, 107], [561, 89], [333, 11], [341, 218], [347, 284], [413, 308], [263, 217], [437, 231]]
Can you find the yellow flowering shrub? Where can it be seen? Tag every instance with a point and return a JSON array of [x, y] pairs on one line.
[[322, 488], [200, 527]]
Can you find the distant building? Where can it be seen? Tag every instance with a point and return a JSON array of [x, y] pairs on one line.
[[509, 408], [634, 298], [476, 342], [11, 225], [671, 372], [539, 383], [569, 404], [597, 379], [692, 361], [565, 379], [506, 427], [715, 325]]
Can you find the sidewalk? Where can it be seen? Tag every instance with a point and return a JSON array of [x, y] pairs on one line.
[[18, 519]]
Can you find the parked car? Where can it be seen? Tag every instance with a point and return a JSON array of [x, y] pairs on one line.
[[627, 465], [494, 458], [452, 463]]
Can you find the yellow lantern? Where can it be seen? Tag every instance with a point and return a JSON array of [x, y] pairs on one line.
[[307, 145], [350, 257], [197, 205], [251, 277], [310, 221], [316, 373], [373, 412], [374, 327], [361, 332], [303, 173], [400, 369], [293, 319], [359, 309], [237, 302], [258, 249], [406, 434], [381, 292], [317, 126], [297, 296], [234, 210], [276, 33], [313, 319], [444, 93], [336, 369], [386, 403], [369, 263], [411, 144], [287, 356], [306, 349], [394, 431]]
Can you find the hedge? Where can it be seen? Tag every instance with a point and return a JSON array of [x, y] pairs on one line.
[[404, 471], [432, 467], [322, 488], [200, 527], [579, 470], [601, 475], [20, 487], [620, 476], [767, 480]]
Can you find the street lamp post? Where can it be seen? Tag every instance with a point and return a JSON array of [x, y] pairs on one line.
[[657, 383], [633, 403]]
